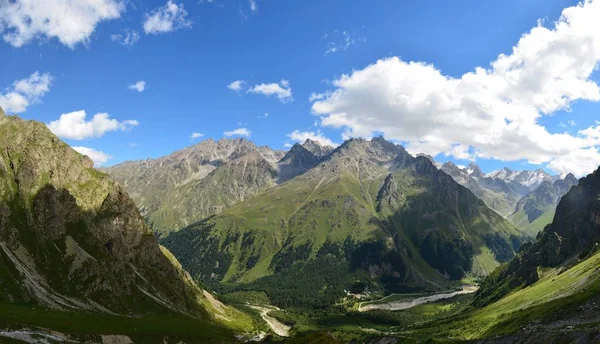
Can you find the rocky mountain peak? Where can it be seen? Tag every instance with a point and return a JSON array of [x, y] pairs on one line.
[[450, 166], [429, 157], [571, 178], [317, 148], [475, 170], [377, 149], [2, 112], [297, 161]]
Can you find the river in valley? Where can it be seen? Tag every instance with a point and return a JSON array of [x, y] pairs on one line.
[[407, 303]]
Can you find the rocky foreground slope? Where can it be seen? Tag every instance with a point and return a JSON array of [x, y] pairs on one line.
[[72, 239]]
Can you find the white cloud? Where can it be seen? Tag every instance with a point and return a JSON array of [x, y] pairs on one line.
[[168, 18], [301, 136], [253, 6], [282, 90], [139, 86], [128, 38], [99, 158], [70, 21], [196, 136], [316, 96], [74, 125], [266, 115], [287, 145], [25, 92], [237, 85], [238, 132], [342, 41], [488, 113]]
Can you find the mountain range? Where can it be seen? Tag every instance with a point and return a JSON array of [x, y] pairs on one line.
[[191, 184], [367, 215], [526, 198]]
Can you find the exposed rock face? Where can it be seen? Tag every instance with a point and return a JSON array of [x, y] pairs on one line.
[[70, 238], [172, 191], [209, 177], [317, 149], [301, 158], [574, 232]]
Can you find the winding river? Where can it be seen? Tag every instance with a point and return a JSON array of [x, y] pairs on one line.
[[279, 328]]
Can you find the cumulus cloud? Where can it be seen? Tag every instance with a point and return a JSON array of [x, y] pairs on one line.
[[25, 92], [70, 21], [128, 38], [139, 86], [281, 90], [490, 112], [99, 158], [74, 125], [195, 136], [301, 136], [168, 18], [253, 6], [238, 132], [237, 85]]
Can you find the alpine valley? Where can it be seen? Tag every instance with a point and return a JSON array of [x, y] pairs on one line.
[[363, 242], [297, 172]]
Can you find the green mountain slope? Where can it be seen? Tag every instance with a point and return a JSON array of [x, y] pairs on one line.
[[562, 306], [72, 240], [536, 209], [370, 214], [548, 293]]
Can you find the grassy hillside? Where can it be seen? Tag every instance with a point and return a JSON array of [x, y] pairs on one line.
[[548, 307]]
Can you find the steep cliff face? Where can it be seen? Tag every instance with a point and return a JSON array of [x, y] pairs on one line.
[[573, 234], [70, 238]]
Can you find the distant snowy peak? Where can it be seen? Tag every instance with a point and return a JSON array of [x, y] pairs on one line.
[[528, 178]]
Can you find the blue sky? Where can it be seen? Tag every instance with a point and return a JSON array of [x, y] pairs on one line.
[[187, 69]]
